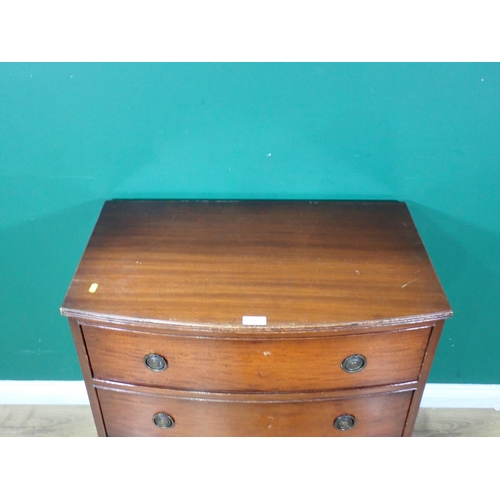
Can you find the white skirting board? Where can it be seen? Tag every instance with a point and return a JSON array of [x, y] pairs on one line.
[[53, 392], [461, 396], [43, 392]]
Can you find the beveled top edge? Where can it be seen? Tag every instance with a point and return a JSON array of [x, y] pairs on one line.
[[239, 329]]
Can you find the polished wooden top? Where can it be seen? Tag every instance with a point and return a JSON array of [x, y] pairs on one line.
[[302, 265]]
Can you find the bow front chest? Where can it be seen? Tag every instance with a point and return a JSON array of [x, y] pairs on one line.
[[255, 318]]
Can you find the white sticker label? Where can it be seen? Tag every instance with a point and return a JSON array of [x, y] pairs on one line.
[[254, 320]]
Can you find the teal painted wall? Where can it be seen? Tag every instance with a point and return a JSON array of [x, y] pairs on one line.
[[74, 135]]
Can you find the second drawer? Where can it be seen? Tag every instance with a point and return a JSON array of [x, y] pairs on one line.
[[128, 413], [274, 365]]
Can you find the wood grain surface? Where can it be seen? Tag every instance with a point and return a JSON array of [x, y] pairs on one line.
[[302, 265], [46, 421], [457, 422], [217, 364], [257, 418]]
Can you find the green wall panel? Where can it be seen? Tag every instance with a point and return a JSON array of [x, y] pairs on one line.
[[74, 135]]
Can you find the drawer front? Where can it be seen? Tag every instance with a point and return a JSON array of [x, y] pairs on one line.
[[132, 414], [275, 365]]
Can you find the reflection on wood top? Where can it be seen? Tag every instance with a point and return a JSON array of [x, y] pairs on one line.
[[301, 265]]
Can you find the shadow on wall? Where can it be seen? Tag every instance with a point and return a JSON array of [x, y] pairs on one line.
[[38, 259], [466, 260]]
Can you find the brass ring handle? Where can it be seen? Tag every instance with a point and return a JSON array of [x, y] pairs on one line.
[[155, 362], [163, 421], [354, 363], [344, 422]]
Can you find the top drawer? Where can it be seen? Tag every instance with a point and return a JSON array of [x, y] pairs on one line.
[[254, 365]]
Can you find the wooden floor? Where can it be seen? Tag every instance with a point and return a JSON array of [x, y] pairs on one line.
[[76, 421]]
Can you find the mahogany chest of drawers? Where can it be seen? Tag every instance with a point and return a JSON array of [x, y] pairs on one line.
[[255, 318]]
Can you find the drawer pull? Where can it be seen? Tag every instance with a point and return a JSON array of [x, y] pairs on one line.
[[163, 420], [354, 363], [344, 422], [155, 362]]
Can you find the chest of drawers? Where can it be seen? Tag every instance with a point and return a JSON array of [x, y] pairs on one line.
[[255, 318]]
